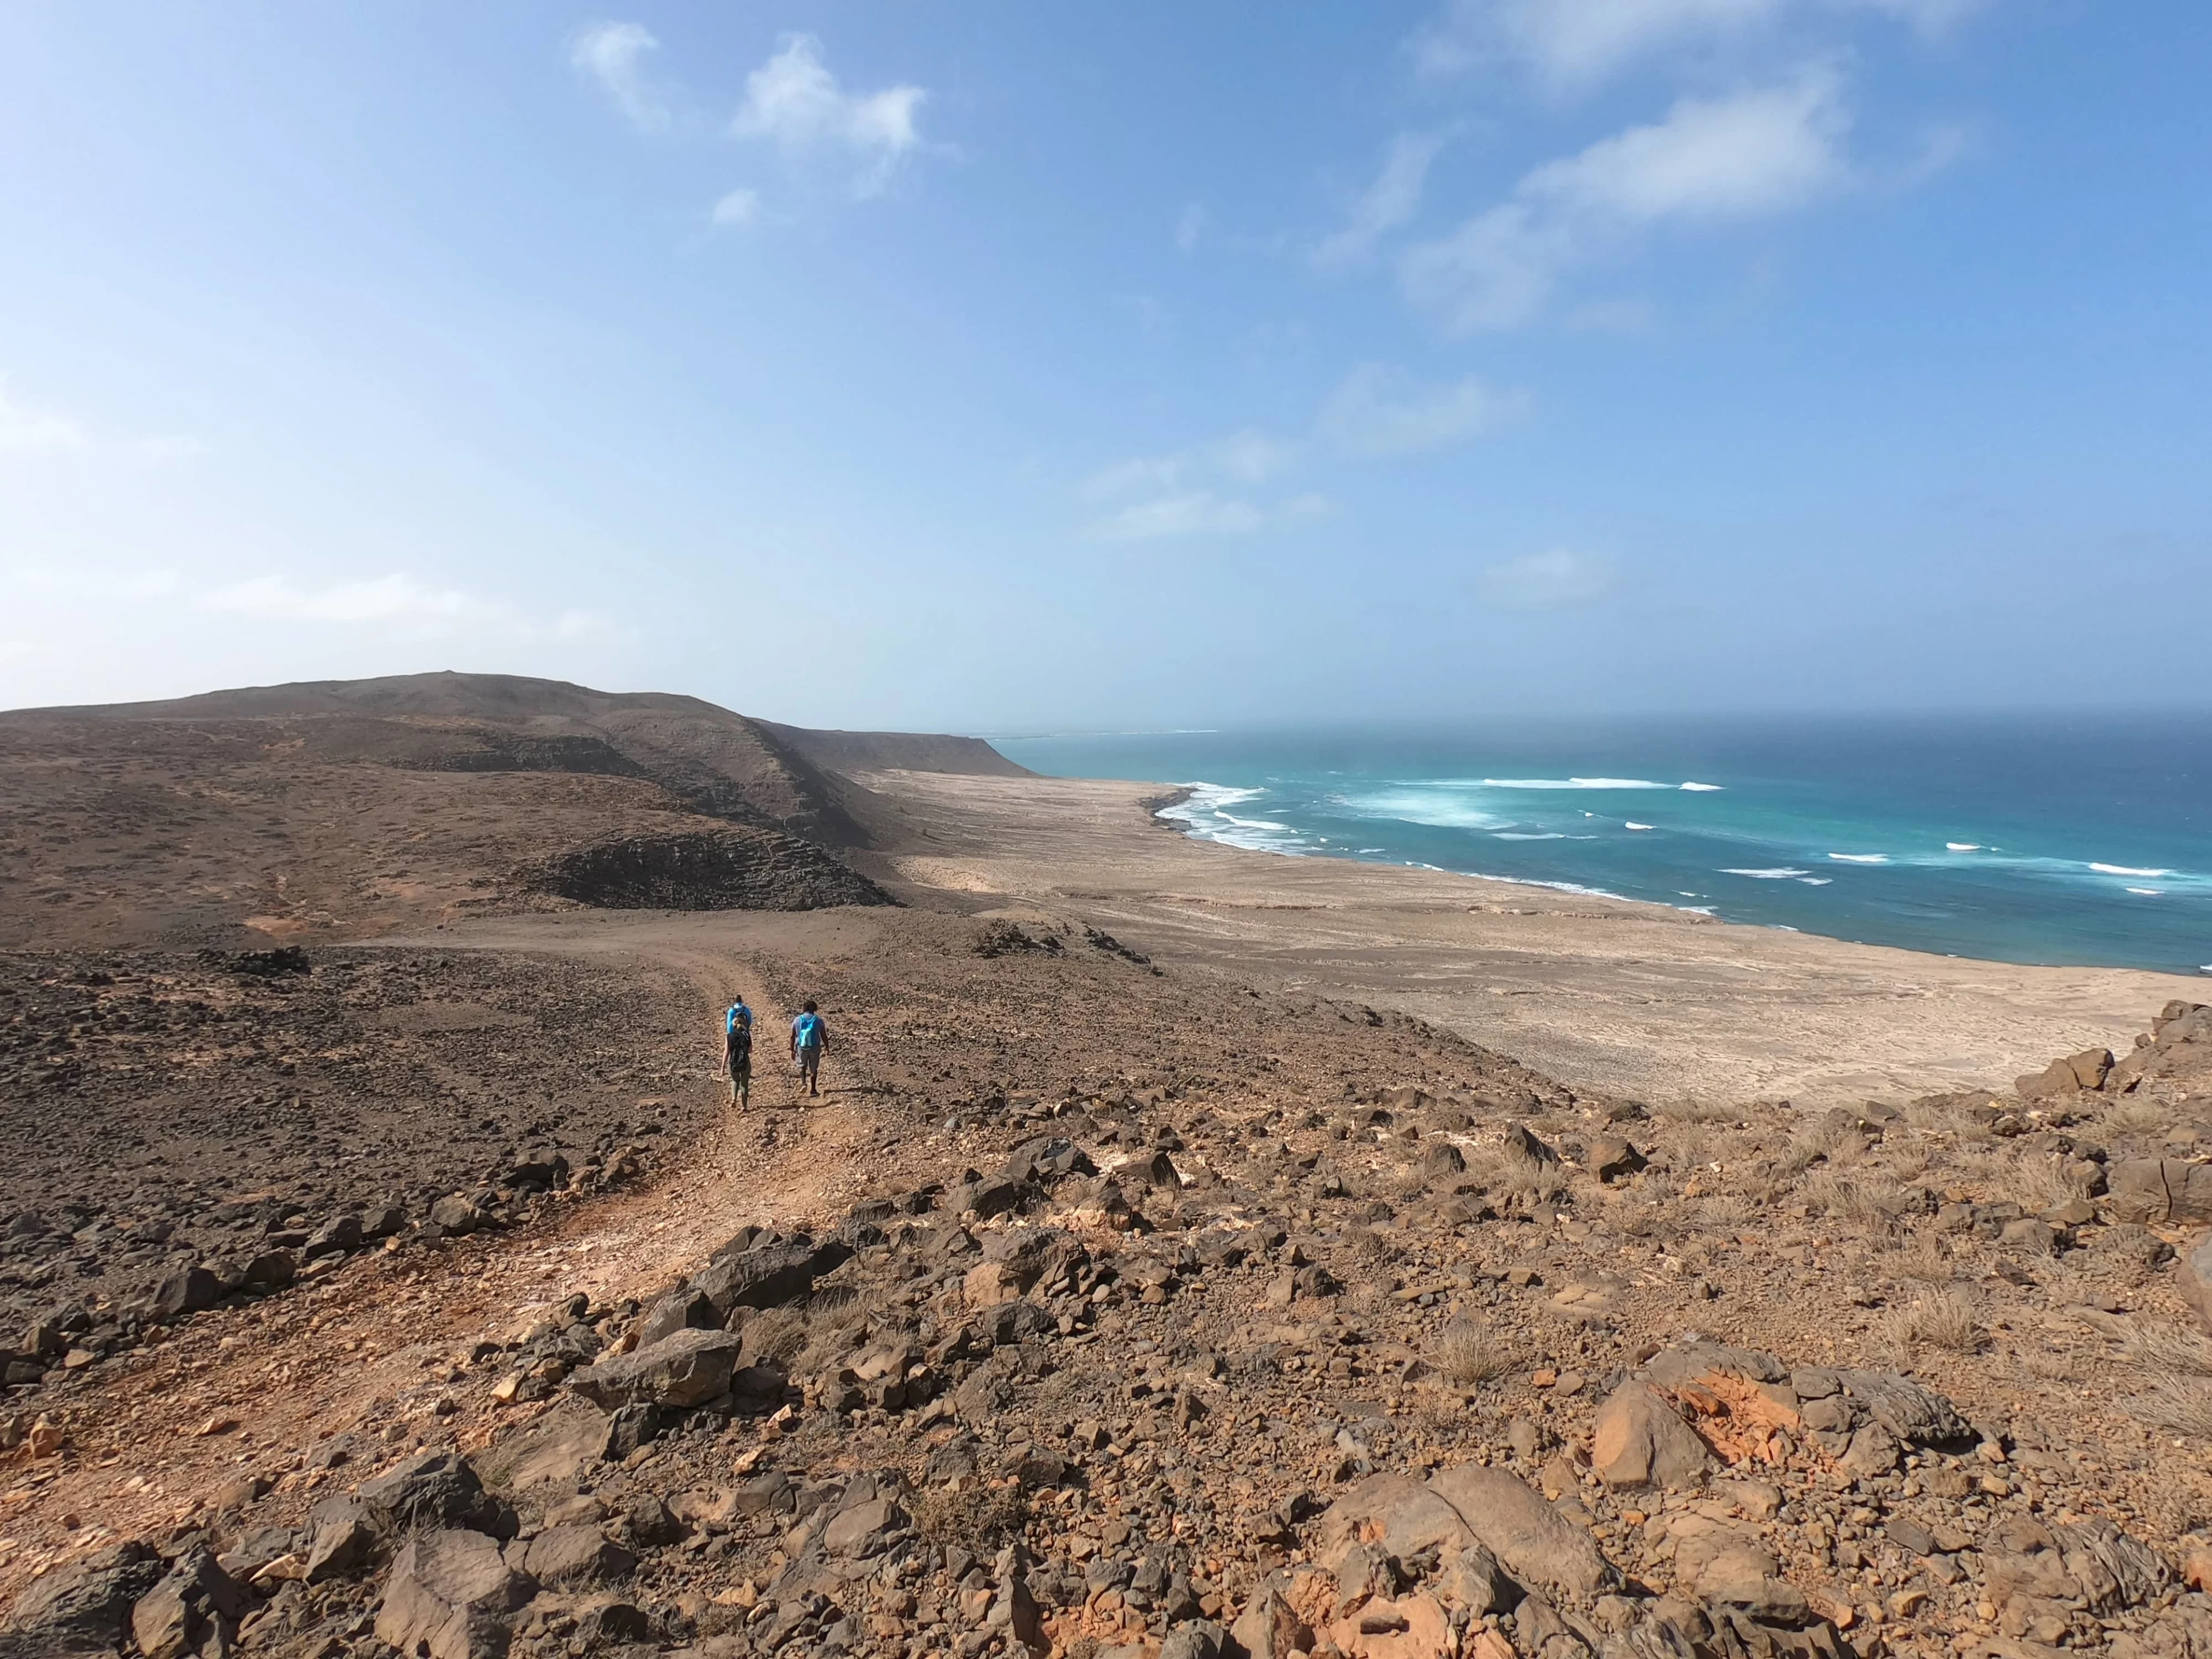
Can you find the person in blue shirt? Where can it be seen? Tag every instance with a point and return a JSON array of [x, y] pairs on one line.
[[810, 1038], [738, 1053]]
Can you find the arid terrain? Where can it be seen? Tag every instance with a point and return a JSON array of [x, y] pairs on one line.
[[1194, 1252]]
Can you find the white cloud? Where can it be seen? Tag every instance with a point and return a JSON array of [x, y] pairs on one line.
[[1761, 151], [1197, 512], [1755, 152], [1540, 581], [1573, 40], [613, 55], [1391, 201], [739, 207], [794, 102], [1378, 410], [25, 430], [1575, 43], [1248, 456], [399, 601]]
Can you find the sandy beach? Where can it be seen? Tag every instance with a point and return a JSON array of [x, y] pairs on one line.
[[1621, 997]]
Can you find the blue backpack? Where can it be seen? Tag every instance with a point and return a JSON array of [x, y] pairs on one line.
[[807, 1028]]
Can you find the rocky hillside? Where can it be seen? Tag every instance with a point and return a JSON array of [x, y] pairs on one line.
[[347, 808], [1273, 1355]]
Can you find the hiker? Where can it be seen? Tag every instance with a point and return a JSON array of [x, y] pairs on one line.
[[738, 1053], [809, 1038]]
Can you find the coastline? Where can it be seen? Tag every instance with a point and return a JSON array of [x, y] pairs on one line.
[[1621, 995]]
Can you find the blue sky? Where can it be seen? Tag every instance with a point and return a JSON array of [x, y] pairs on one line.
[[1010, 367]]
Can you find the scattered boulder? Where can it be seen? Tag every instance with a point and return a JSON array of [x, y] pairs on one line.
[[435, 1489], [450, 1596], [768, 1275], [2195, 1280], [458, 1215], [2087, 1070], [193, 1289], [1611, 1159], [195, 1606], [83, 1608], [573, 1555], [344, 1537], [1640, 1440], [2158, 1190], [1524, 1143], [678, 1371]]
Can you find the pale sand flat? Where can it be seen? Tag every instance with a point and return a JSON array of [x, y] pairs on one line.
[[1626, 998]]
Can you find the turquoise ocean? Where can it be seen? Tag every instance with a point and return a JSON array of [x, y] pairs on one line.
[[2080, 840]]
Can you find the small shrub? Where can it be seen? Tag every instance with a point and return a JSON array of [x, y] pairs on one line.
[[975, 1518], [2137, 1115], [1469, 1355], [1926, 1259], [2040, 1183], [1941, 1319], [1838, 1195]]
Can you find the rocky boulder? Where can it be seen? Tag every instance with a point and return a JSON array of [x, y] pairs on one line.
[[2158, 1190], [450, 1596], [573, 1555], [676, 1372], [1640, 1440], [768, 1275], [83, 1608], [2196, 1279], [196, 1607], [437, 1489]]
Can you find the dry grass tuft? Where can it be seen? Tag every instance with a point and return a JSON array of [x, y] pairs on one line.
[[1699, 1111], [1469, 1355], [2171, 1350], [2177, 1364], [2138, 1115], [775, 1336], [1927, 1260], [1831, 1194], [2179, 1405], [1941, 1319], [2039, 1183]]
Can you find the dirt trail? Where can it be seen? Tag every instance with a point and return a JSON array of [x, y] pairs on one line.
[[375, 1349]]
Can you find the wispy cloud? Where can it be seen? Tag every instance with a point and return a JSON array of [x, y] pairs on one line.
[[1380, 410], [1190, 228], [1760, 151], [1203, 490], [399, 601], [1197, 512], [738, 207], [1560, 576], [29, 430], [1248, 457], [1574, 43], [1390, 202], [793, 102], [613, 56]]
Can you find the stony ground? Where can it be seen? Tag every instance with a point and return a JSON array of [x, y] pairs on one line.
[[1097, 1312]]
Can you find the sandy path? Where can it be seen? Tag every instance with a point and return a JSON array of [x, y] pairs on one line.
[[1625, 997], [373, 1349]]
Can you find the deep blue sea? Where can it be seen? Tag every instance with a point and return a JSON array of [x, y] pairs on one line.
[[2084, 841]]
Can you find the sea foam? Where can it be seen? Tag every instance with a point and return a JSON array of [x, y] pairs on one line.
[[1571, 783], [1859, 857], [2124, 870], [1781, 874]]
